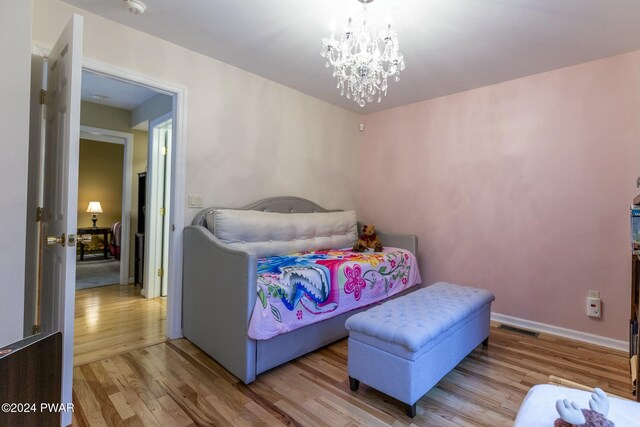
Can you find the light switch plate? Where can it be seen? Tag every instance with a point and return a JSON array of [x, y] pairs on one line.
[[195, 201]]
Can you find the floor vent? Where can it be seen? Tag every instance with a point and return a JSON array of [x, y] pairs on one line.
[[518, 330]]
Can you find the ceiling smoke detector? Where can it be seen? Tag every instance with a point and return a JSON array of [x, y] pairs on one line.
[[137, 7]]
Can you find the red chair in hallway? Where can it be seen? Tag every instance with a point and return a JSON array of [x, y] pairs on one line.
[[114, 241]]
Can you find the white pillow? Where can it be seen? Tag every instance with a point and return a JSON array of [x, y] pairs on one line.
[[268, 233]]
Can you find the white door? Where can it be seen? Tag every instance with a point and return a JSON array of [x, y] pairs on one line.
[[158, 197], [168, 135], [60, 198]]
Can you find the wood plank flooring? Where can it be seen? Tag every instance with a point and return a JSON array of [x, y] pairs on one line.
[[110, 320], [175, 384]]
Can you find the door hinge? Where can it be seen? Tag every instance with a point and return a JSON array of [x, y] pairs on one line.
[[161, 272], [43, 96], [38, 214], [163, 211], [163, 150], [35, 329]]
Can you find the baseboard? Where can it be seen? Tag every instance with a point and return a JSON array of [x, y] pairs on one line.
[[562, 332]]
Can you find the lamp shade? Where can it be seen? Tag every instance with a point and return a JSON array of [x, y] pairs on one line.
[[94, 207]]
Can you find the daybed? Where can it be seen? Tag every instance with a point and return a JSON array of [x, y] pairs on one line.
[[220, 282]]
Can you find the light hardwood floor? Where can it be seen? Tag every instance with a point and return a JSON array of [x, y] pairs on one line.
[[110, 320], [173, 383]]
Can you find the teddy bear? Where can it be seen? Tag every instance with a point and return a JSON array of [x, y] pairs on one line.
[[572, 415], [368, 239]]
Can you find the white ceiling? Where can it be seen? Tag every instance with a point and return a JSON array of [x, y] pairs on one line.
[[449, 45], [119, 94]]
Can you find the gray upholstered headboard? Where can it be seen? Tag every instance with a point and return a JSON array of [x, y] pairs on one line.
[[284, 204]]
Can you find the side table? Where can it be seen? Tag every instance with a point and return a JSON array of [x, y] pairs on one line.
[[94, 230]]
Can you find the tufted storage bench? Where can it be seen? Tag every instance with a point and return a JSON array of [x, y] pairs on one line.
[[403, 347]]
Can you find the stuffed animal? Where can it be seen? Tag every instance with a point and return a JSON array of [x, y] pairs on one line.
[[368, 239], [572, 415]]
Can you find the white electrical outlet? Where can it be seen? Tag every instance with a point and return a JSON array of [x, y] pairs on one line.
[[195, 201], [594, 304]]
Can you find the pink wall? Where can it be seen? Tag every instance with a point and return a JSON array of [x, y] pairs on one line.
[[522, 188]]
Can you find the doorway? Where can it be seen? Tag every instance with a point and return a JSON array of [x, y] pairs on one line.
[[109, 141], [123, 313], [177, 181]]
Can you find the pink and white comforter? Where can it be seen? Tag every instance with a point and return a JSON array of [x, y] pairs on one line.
[[300, 289]]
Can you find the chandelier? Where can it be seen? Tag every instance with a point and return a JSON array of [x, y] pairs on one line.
[[363, 60]]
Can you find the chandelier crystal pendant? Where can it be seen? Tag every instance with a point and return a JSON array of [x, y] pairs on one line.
[[363, 60]]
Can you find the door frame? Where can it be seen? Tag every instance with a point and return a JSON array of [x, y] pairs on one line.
[[178, 167], [126, 139]]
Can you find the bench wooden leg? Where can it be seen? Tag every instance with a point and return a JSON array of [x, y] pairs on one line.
[[410, 410], [354, 384], [485, 343]]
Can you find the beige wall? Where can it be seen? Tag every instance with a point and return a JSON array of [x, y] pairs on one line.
[[100, 179], [246, 137], [15, 69], [117, 119]]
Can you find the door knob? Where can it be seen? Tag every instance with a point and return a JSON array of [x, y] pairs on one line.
[[53, 240]]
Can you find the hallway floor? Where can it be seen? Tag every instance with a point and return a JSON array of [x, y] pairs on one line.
[[115, 319]]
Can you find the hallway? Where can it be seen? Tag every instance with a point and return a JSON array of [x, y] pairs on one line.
[[115, 319]]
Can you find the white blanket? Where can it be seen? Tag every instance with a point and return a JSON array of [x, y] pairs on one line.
[[539, 407]]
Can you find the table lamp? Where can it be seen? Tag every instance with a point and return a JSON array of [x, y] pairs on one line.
[[94, 208]]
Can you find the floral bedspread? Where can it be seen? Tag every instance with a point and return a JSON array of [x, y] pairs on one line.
[[303, 288]]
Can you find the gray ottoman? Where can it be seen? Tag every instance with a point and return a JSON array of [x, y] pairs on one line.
[[404, 346]]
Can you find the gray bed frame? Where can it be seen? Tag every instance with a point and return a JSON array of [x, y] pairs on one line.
[[219, 293]]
